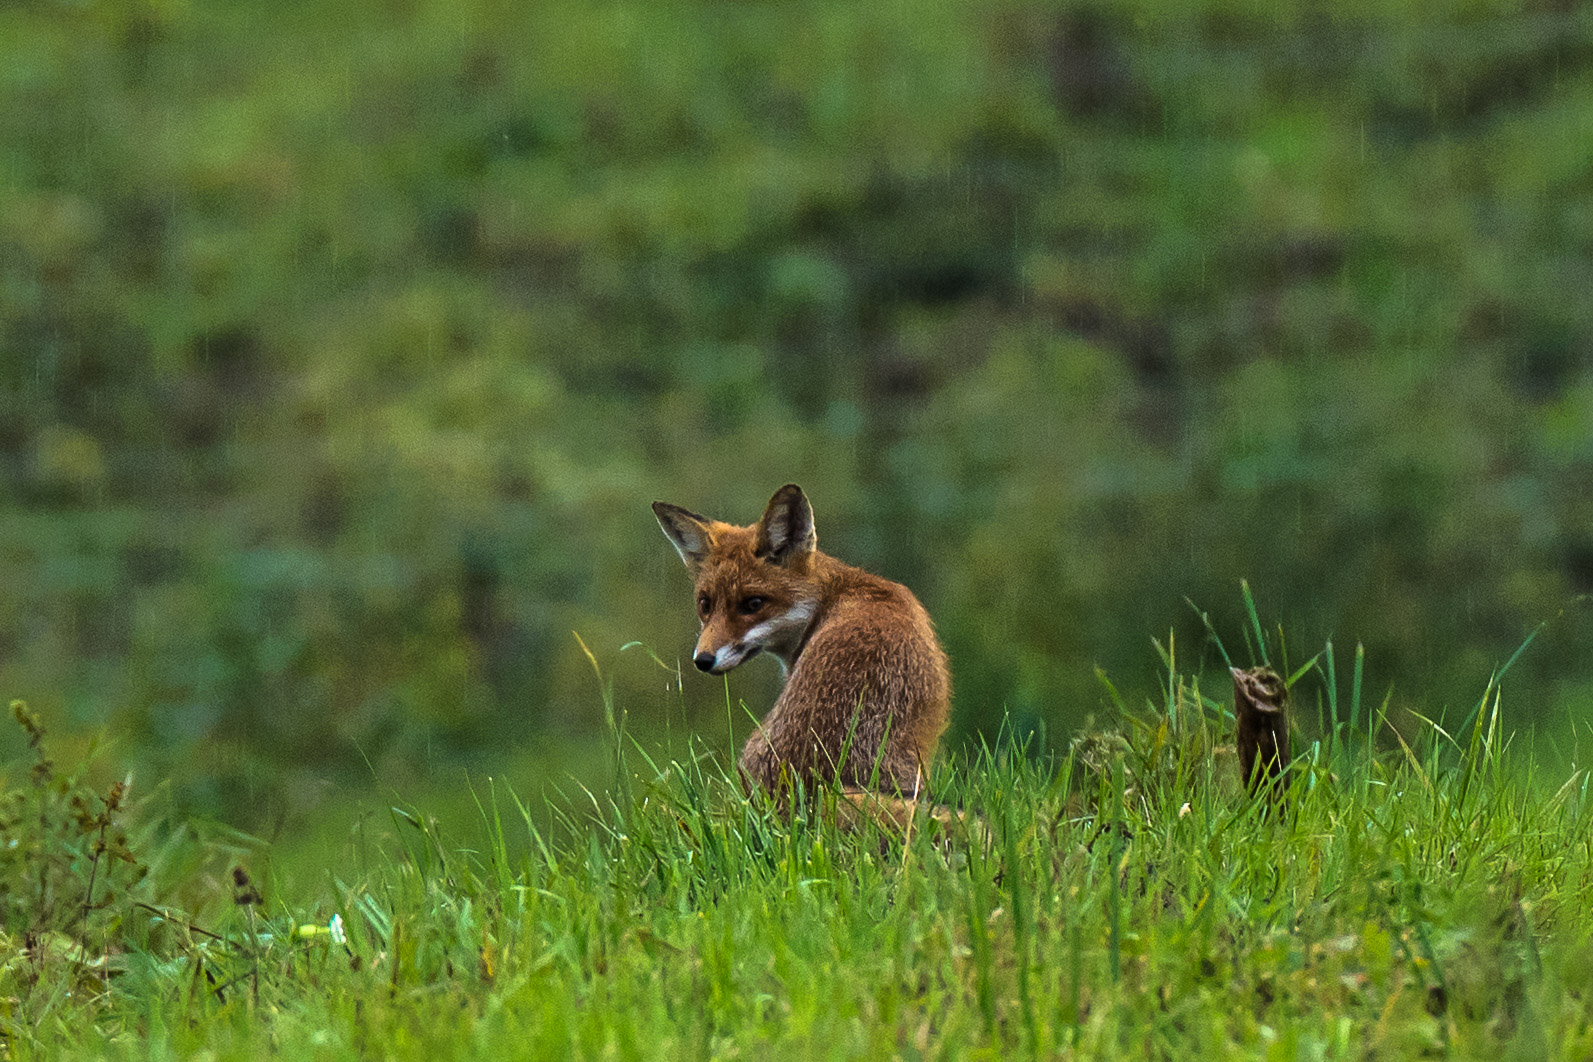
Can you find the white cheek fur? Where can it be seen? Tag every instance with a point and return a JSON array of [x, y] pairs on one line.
[[760, 634], [776, 629], [780, 634]]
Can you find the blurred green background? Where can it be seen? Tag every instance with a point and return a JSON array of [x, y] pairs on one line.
[[344, 345]]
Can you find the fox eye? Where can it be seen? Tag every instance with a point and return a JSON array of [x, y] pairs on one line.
[[749, 605], [705, 605]]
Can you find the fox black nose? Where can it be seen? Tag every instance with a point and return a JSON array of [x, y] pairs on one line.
[[704, 661]]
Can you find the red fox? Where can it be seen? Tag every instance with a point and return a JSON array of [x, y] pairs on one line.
[[867, 690]]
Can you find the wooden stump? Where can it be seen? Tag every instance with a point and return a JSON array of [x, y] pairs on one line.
[[1259, 699]]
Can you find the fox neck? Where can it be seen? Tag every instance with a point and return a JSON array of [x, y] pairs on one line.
[[785, 636], [830, 577]]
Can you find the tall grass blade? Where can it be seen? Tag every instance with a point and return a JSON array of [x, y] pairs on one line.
[[1255, 620], [1332, 697], [1355, 686], [1211, 631]]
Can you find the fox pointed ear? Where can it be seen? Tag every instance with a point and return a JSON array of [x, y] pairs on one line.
[[786, 530], [687, 531]]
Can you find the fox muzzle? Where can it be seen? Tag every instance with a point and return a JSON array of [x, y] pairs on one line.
[[725, 658]]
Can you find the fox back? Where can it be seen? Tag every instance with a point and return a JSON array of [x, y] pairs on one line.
[[867, 690]]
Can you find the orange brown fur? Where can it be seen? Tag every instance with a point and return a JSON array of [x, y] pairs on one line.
[[867, 693]]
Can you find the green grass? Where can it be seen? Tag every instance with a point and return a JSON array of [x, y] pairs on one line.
[[1422, 894]]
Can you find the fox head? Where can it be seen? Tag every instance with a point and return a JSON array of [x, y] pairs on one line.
[[755, 586]]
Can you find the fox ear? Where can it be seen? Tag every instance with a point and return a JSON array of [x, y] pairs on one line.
[[687, 531], [786, 530]]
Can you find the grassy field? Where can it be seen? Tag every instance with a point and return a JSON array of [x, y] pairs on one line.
[[1416, 894]]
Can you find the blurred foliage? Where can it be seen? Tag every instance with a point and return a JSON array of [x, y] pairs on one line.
[[342, 347]]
